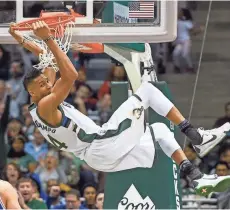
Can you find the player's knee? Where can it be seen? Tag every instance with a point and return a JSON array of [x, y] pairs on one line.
[[161, 131]]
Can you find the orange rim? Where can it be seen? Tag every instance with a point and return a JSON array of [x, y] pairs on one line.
[[88, 47], [52, 21]]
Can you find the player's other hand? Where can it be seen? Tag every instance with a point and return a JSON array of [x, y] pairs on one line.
[[11, 30], [41, 29]]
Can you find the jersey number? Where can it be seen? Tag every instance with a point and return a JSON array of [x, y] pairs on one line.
[[57, 143]]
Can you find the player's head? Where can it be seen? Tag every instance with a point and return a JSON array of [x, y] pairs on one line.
[[37, 84]]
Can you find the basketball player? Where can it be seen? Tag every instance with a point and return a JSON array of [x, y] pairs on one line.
[[123, 142], [8, 196]]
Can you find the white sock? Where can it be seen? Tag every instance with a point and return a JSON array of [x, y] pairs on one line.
[[165, 138], [154, 98]]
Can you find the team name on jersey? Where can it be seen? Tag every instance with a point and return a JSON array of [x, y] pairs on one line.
[[44, 127]]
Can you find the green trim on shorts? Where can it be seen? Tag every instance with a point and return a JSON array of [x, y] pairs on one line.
[[83, 136], [152, 132]]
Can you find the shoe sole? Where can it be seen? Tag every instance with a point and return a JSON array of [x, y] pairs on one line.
[[220, 187], [205, 152]]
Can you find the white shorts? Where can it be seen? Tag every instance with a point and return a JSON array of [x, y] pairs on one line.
[[128, 145]]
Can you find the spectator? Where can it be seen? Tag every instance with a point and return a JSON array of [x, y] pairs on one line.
[[223, 198], [54, 198], [50, 183], [89, 193], [4, 63], [71, 165], [72, 199], [2, 90], [18, 93], [4, 118], [222, 120], [25, 190], [28, 125], [182, 50], [11, 173], [70, 98], [37, 148], [17, 155], [104, 108], [14, 128], [49, 169], [225, 154], [117, 73], [84, 99], [100, 200], [222, 168], [192, 156]]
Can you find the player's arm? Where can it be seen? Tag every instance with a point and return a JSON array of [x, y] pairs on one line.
[[32, 47], [11, 197], [35, 49], [68, 72]]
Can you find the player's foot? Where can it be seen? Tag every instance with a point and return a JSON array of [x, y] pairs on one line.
[[211, 183], [210, 138]]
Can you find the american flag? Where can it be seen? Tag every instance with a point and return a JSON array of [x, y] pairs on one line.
[[141, 9]]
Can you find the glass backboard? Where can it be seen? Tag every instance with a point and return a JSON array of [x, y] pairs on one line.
[[102, 21]]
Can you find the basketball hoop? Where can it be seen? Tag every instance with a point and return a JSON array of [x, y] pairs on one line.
[[60, 24]]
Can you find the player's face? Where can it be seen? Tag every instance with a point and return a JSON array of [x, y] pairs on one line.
[[26, 189], [40, 87], [90, 195]]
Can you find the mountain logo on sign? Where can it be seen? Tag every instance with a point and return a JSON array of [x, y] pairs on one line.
[[133, 200]]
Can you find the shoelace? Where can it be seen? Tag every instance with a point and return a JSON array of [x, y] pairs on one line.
[[207, 131], [213, 176]]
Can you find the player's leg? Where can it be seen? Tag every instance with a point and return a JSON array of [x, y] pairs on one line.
[[204, 184], [202, 140]]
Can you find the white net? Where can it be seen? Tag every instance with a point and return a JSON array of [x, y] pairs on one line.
[[149, 65], [63, 36]]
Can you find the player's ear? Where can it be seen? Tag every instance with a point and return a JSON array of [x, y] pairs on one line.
[[31, 92]]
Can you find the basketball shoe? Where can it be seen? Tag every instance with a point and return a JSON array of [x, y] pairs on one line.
[[211, 183], [210, 138]]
